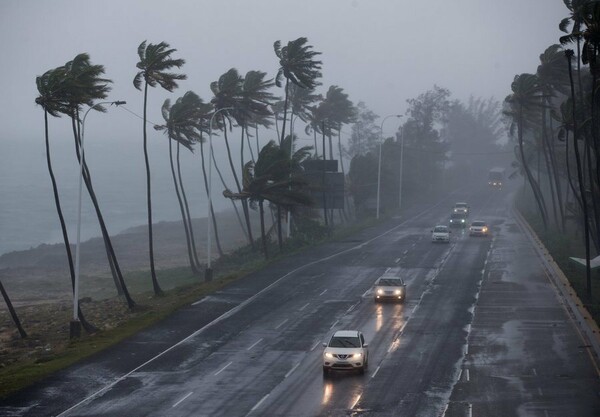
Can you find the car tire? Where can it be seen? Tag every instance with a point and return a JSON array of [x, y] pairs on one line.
[[361, 370], [325, 372]]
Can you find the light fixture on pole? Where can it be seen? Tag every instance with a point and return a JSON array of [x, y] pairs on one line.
[[75, 327], [379, 163], [209, 272]]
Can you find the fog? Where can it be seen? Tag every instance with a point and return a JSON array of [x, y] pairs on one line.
[[379, 52]]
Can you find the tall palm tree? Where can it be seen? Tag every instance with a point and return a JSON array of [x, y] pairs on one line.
[[227, 94], [52, 90], [183, 125], [84, 85], [523, 108], [297, 64], [154, 64]]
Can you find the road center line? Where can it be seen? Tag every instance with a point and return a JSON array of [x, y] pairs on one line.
[[281, 324], [315, 346], [199, 301], [259, 403], [292, 370], [183, 399], [255, 343], [376, 370], [333, 325], [304, 306], [470, 410], [467, 375], [324, 291], [223, 368]]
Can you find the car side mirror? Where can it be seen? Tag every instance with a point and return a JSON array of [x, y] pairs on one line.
[[365, 345], [324, 344]]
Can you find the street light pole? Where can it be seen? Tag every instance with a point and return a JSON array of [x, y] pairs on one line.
[[75, 327], [209, 272], [379, 163], [401, 168]]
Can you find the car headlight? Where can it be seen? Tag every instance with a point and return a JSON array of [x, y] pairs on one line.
[[462, 220], [356, 356], [380, 291], [329, 355], [484, 229], [398, 292]]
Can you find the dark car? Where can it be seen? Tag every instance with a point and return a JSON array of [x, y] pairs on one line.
[[458, 220]]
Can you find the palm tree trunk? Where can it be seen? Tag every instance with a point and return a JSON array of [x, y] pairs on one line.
[[87, 179], [182, 210], [279, 233], [323, 168], [257, 144], [12, 311], [212, 212], [285, 107], [155, 285], [249, 146], [550, 170], [88, 327], [187, 211], [237, 183], [586, 226], [262, 228], [316, 148]]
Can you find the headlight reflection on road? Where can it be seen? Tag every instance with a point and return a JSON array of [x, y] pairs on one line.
[[327, 392], [379, 320], [356, 400]]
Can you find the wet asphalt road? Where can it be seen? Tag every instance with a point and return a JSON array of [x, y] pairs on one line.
[[482, 333]]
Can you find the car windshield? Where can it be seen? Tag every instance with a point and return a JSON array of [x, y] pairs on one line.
[[440, 229], [478, 224], [390, 282], [461, 205], [458, 216], [344, 341]]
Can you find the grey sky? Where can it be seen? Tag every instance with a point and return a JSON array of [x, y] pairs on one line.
[[379, 51]]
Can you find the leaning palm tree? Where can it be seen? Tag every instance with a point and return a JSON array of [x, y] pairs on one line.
[[154, 64], [227, 91], [182, 125], [261, 184], [52, 90], [523, 109], [84, 84], [297, 64], [12, 312]]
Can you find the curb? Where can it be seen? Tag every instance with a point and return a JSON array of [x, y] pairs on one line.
[[585, 323]]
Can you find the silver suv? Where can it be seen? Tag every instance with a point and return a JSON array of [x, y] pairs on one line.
[[346, 350]]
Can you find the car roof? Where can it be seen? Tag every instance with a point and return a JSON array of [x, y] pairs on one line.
[[346, 333], [478, 221], [459, 215], [440, 225], [461, 204]]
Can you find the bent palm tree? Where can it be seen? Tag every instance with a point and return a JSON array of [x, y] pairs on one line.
[[297, 64], [155, 61]]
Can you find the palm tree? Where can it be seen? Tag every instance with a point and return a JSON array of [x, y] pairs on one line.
[[83, 84], [51, 87], [183, 125], [523, 109], [228, 95], [12, 311], [155, 61], [296, 64], [260, 184]]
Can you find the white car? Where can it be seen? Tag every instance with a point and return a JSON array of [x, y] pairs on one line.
[[346, 350], [478, 228], [389, 287], [440, 233]]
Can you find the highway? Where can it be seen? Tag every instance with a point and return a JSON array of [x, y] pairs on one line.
[[482, 333]]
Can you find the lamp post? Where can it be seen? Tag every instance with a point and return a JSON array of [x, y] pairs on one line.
[[209, 272], [401, 167], [75, 327], [379, 163]]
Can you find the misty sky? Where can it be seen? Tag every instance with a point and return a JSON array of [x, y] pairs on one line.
[[382, 52]]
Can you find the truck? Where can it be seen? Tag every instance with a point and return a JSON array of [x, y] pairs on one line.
[[496, 178]]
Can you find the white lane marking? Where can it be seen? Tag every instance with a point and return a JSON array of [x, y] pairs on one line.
[[351, 308], [483, 271], [445, 409], [333, 325], [292, 370], [540, 392], [223, 368], [183, 399], [403, 326], [356, 402], [406, 251], [324, 291], [244, 304], [397, 260], [200, 301], [460, 375], [469, 328], [534, 372], [255, 343], [376, 370], [414, 308], [365, 293], [467, 349], [281, 324], [314, 347], [470, 410], [304, 306], [259, 403], [467, 375]]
